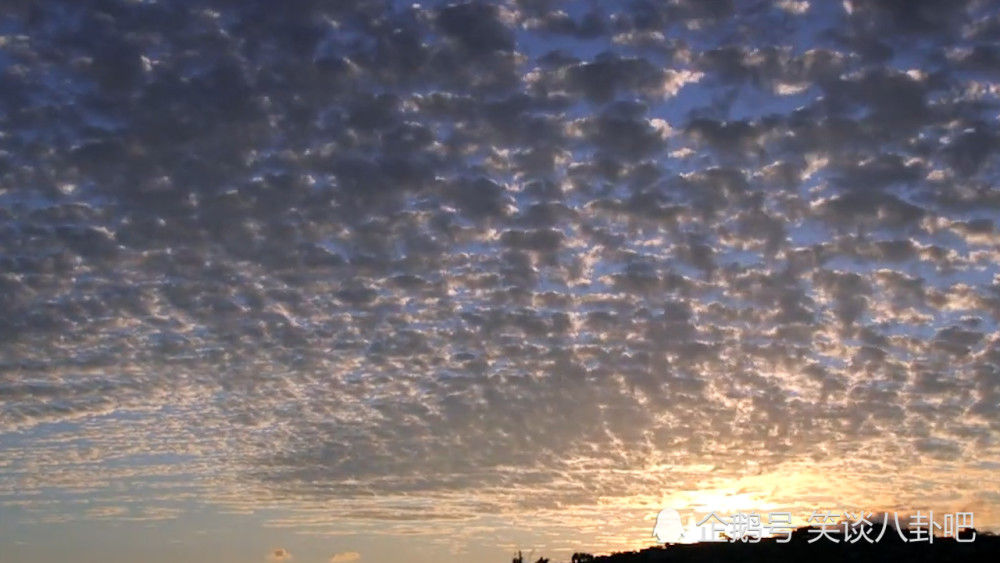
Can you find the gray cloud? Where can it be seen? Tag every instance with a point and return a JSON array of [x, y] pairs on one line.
[[376, 249]]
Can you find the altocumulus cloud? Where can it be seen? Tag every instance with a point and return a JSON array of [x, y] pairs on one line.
[[495, 255]]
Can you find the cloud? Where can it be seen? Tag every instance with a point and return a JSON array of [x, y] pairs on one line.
[[279, 554], [485, 258], [345, 557]]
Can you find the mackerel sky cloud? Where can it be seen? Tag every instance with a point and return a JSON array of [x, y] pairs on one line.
[[374, 278]]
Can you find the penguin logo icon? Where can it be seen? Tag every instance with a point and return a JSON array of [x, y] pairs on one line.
[[668, 528]]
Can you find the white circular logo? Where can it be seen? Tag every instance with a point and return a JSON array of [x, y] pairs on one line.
[[668, 528]]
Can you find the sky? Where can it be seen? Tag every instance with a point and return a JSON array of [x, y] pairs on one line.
[[331, 281]]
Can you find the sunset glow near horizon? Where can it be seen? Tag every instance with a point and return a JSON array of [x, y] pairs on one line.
[[332, 281]]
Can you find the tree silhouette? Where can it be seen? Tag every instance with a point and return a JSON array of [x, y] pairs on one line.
[[803, 546]]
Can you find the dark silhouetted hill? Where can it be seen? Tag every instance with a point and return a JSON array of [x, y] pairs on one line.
[[890, 548]]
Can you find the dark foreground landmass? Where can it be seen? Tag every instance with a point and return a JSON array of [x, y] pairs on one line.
[[891, 548]]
